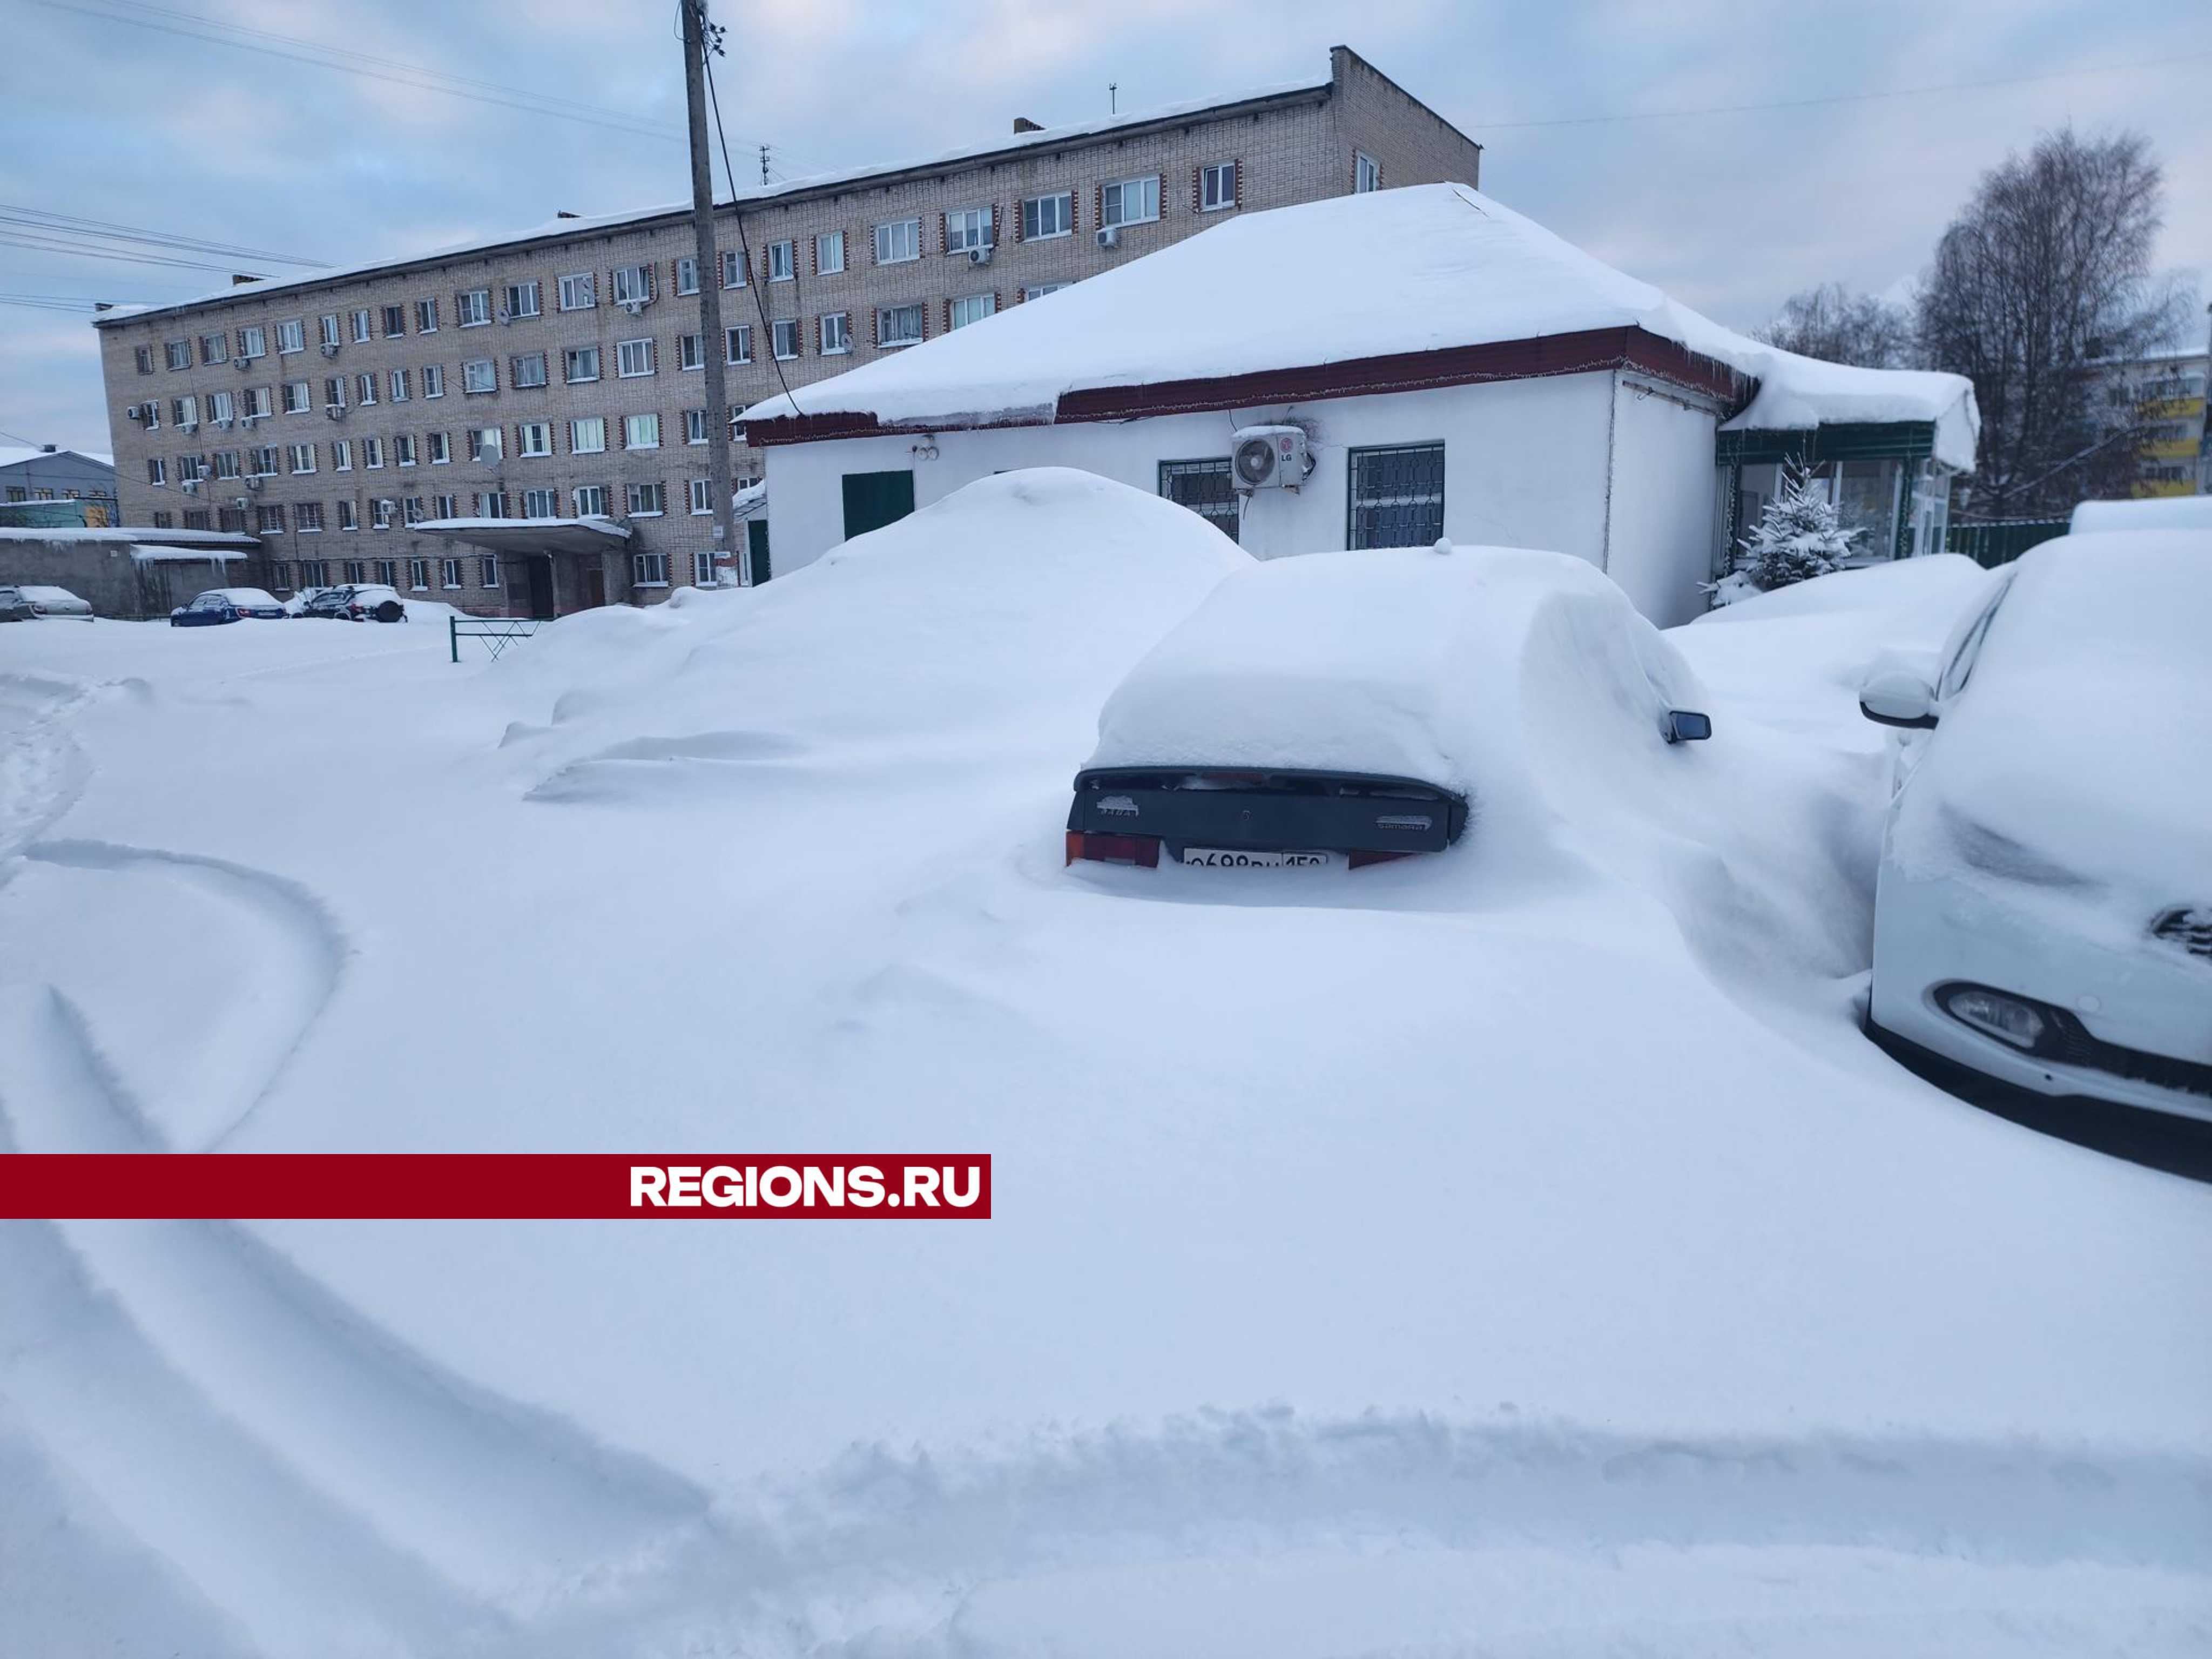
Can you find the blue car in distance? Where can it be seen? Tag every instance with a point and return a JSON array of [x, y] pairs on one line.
[[226, 604]]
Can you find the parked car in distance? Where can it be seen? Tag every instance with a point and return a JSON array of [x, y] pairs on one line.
[[29, 602], [357, 602], [2043, 907], [227, 604], [1317, 711]]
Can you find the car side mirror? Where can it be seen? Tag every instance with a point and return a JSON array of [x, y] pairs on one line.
[[1897, 698], [1687, 726]]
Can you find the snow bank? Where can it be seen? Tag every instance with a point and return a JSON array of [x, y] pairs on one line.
[[2153, 513], [1942, 581]]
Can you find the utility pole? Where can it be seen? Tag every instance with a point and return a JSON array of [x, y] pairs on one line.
[[710, 293]]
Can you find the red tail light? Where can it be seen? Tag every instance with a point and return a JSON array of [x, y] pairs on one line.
[[1143, 850]]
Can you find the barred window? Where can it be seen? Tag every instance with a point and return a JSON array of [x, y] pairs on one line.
[[1206, 487], [1397, 496]]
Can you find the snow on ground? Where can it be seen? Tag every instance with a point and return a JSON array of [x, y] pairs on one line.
[[1465, 1255]]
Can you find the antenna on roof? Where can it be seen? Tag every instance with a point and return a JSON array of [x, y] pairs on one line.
[[763, 150], [564, 213], [1113, 97]]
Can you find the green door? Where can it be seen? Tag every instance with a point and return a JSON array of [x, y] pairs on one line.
[[756, 552], [873, 500]]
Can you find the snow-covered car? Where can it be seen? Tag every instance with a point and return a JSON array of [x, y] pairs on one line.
[[1330, 709], [357, 602], [2043, 911], [30, 602], [219, 606]]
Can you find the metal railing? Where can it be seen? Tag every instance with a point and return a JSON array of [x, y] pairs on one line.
[[496, 632], [2002, 540]]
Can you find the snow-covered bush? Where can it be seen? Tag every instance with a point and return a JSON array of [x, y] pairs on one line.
[[1796, 537]]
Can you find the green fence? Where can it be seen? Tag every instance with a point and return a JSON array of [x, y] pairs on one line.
[[2001, 541], [496, 632]]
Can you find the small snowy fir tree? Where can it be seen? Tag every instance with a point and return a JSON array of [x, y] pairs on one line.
[[1796, 537]]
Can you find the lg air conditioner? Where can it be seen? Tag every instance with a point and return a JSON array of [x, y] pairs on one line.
[[980, 256], [1109, 235], [330, 348], [1269, 457]]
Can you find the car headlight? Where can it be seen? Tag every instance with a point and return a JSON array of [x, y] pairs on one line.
[[2009, 1019]]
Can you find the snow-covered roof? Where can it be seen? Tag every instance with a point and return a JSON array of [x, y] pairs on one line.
[[751, 501], [70, 532], [155, 553], [1429, 268], [762, 196], [18, 455]]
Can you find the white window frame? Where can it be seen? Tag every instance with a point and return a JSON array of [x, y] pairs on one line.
[[966, 310], [829, 253], [567, 361], [515, 366], [291, 337], [1217, 186], [297, 453], [298, 397], [782, 260], [252, 342], [433, 379], [341, 454], [1063, 204], [404, 452], [426, 315], [782, 329], [885, 314], [690, 352], [487, 443], [633, 284], [597, 446], [649, 570], [701, 492], [624, 355], [515, 294], [472, 308], [838, 341], [364, 327], [742, 335], [328, 329], [652, 493], [490, 367], [1038, 290], [687, 273], [1114, 200], [1366, 172], [441, 449], [579, 290], [967, 230], [544, 497], [590, 501], [889, 236], [525, 430], [734, 268], [694, 426], [630, 429]]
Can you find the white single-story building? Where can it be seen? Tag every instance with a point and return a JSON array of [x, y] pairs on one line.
[[1435, 364]]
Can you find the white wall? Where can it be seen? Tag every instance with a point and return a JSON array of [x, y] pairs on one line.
[[1526, 464], [1659, 543]]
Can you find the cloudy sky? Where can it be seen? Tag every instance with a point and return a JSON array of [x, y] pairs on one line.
[[127, 113]]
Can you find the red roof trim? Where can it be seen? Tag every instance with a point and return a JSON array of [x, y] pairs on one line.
[[1587, 351]]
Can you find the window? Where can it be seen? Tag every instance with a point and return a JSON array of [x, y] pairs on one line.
[[734, 268], [372, 452], [334, 391], [690, 352], [226, 463], [153, 412], [836, 336], [261, 463], [1130, 201], [633, 285], [1037, 291], [488, 569], [967, 230], [687, 274], [450, 570], [191, 469], [342, 455], [640, 432], [540, 503], [291, 337], [441, 449], [257, 405], [829, 253], [1397, 496], [446, 506], [403, 383], [418, 575], [179, 354], [298, 397], [253, 341], [479, 374], [970, 308], [590, 501], [898, 241], [272, 520], [348, 517], [587, 435], [1366, 172], [307, 518], [426, 316], [521, 300], [694, 426], [1046, 216], [780, 265], [363, 328], [703, 495], [220, 406], [579, 363], [411, 510], [1217, 187], [386, 571], [534, 438], [703, 569], [327, 329], [529, 369], [364, 388], [739, 345], [354, 571], [472, 308], [302, 458], [784, 337], [433, 379], [898, 326], [144, 355], [486, 443], [1206, 487], [645, 500], [647, 570], [633, 358], [215, 348], [160, 519], [395, 322], [157, 469], [403, 449], [580, 291]]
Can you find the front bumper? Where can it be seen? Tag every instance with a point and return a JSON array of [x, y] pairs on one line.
[[1275, 809]]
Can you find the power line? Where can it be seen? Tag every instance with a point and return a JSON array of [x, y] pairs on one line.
[[86, 251], [712, 32], [42, 220], [1846, 97]]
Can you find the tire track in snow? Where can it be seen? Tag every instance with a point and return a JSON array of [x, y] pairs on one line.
[[43, 770]]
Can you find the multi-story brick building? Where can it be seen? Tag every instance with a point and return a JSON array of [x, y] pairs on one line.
[[553, 376]]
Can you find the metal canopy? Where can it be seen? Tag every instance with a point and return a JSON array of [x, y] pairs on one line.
[[530, 535]]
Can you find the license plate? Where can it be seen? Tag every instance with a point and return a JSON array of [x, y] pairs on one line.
[[1220, 858]]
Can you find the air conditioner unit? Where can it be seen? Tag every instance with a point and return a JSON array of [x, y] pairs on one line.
[[241, 364], [241, 502], [134, 412], [188, 426], [223, 421], [334, 411], [190, 486], [1269, 457], [980, 256], [1109, 235], [253, 484], [633, 307], [330, 348], [505, 315]]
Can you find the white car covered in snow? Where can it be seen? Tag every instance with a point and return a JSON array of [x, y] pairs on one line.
[[2043, 908], [1349, 708]]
